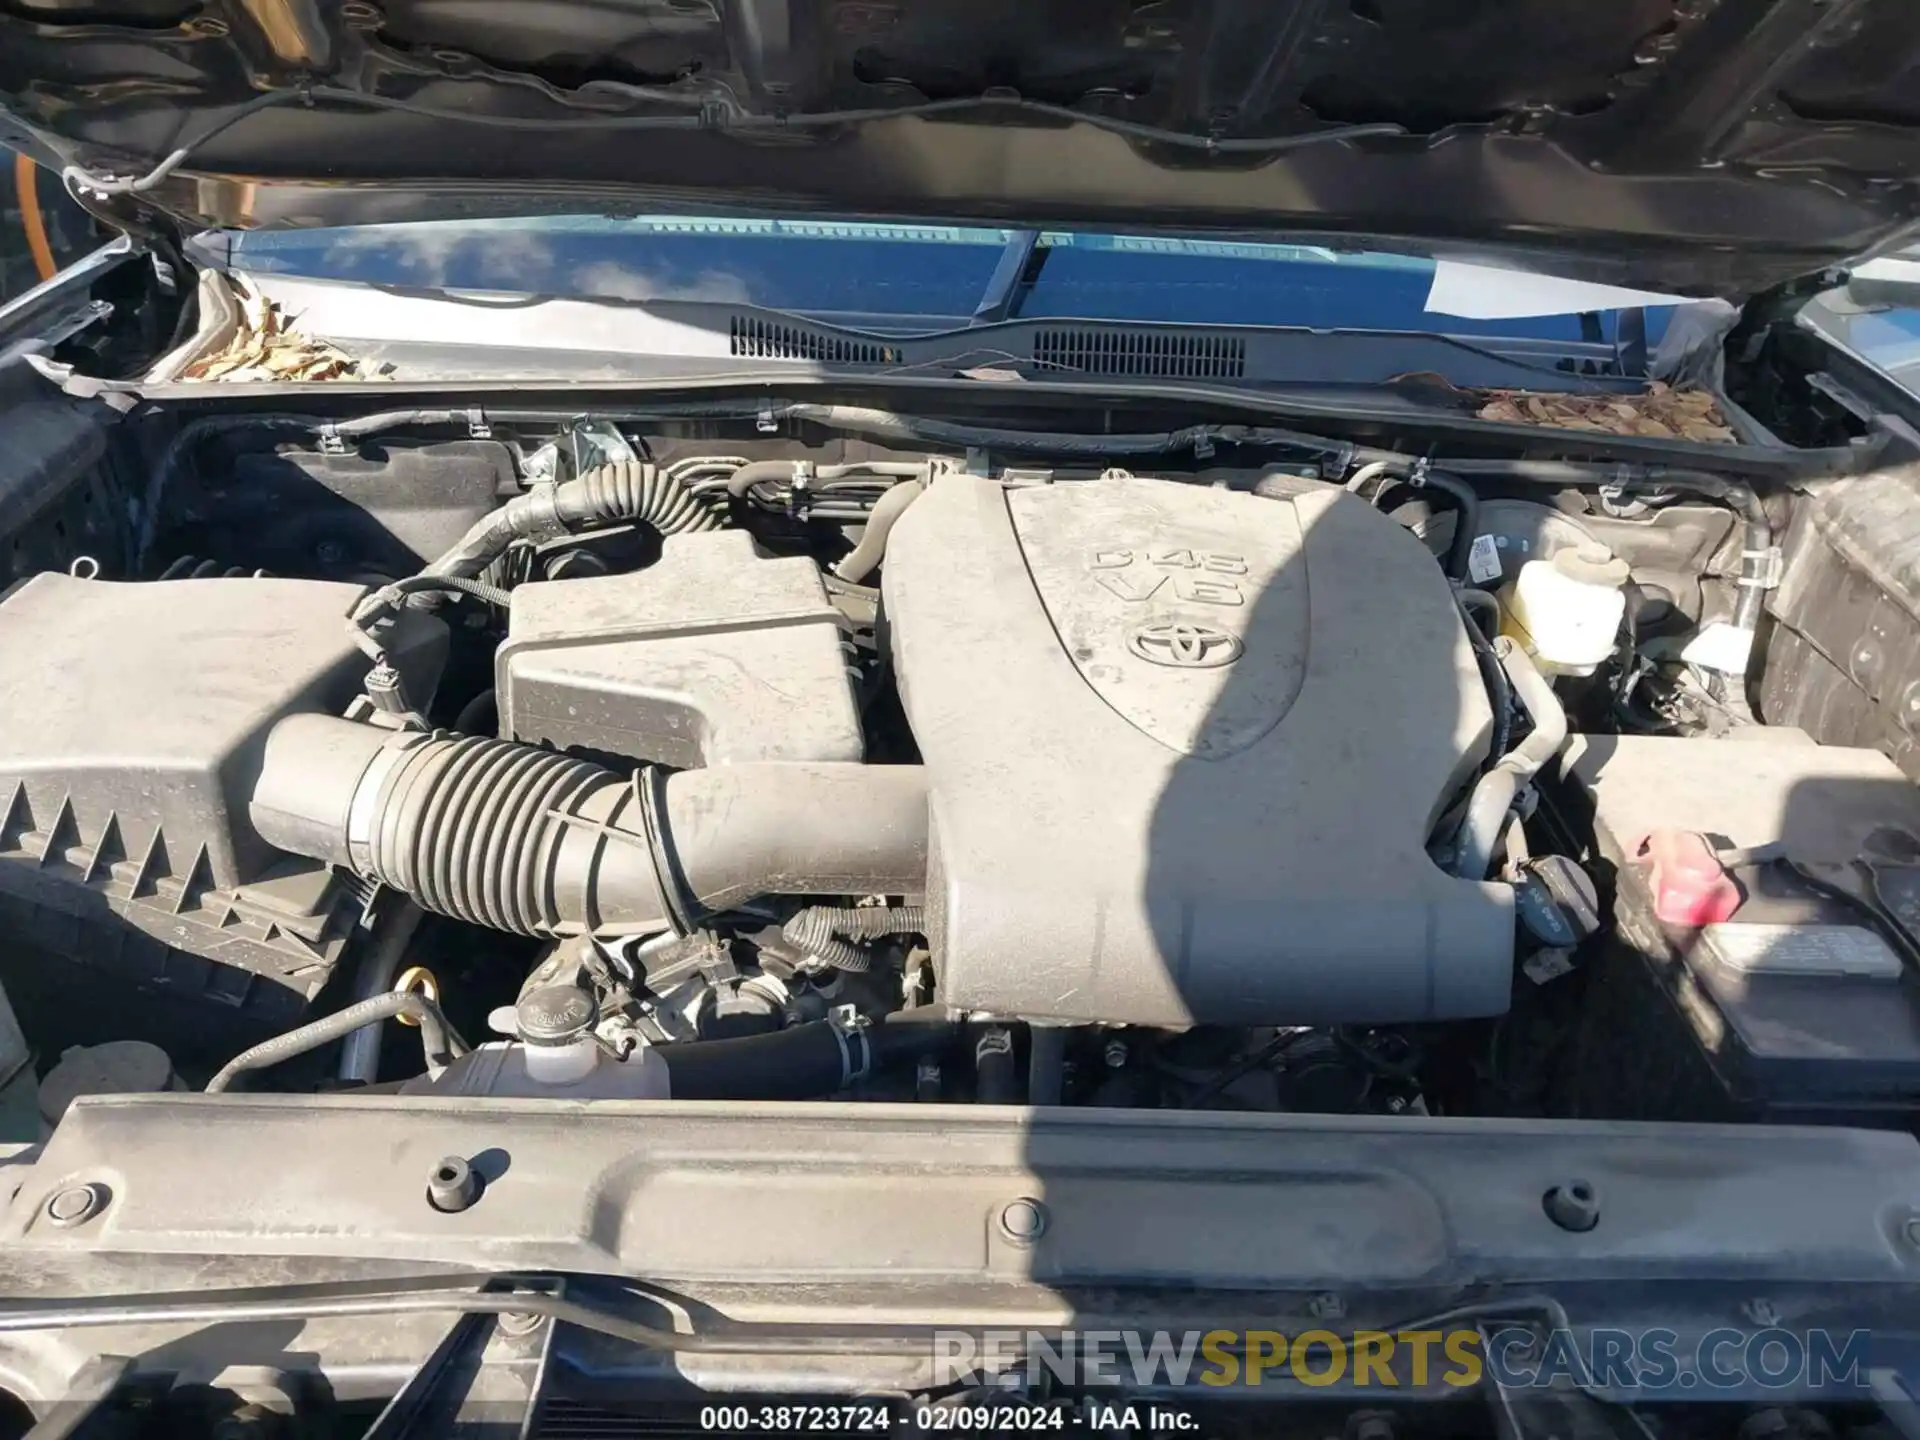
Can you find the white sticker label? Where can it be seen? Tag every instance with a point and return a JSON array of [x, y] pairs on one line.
[[1483, 560], [1720, 646], [1545, 965]]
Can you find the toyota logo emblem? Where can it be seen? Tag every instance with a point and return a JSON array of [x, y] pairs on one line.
[[1184, 646]]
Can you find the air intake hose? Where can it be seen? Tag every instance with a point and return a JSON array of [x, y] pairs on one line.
[[606, 495], [537, 843], [801, 1062]]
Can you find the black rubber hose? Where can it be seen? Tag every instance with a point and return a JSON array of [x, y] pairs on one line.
[[1632, 611], [632, 490], [1466, 518], [1499, 689], [995, 1081], [1756, 542], [480, 715], [437, 1038], [1757, 547], [759, 472], [626, 490], [823, 931], [801, 1062]]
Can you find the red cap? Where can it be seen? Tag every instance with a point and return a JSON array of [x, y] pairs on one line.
[[1690, 885]]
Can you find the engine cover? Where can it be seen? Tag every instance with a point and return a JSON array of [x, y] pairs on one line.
[[1184, 749]]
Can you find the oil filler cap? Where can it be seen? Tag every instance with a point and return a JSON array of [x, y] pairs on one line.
[[555, 1015]]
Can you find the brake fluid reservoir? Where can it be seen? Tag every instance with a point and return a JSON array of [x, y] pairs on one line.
[[1566, 610]]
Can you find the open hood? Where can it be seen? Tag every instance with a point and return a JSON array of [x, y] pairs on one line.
[[1690, 146]]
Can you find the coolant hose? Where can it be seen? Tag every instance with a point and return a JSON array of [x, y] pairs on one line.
[[1492, 674], [1466, 516], [538, 843], [606, 495], [801, 1062], [823, 931], [1466, 505], [1493, 795], [759, 472], [437, 1037], [360, 1055], [865, 558]]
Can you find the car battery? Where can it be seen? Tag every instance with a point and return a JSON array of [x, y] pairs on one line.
[[1794, 1000]]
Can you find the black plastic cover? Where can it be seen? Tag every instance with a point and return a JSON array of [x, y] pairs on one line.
[[1184, 750], [132, 719], [1844, 661]]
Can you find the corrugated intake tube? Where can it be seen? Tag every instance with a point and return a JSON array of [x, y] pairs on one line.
[[606, 495], [537, 843], [824, 932]]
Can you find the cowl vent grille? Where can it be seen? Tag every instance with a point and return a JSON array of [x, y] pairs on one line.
[[1143, 352], [764, 340]]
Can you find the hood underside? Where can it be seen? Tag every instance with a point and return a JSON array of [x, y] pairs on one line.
[[1695, 146]]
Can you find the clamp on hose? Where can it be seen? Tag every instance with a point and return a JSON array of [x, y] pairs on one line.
[[850, 1028]]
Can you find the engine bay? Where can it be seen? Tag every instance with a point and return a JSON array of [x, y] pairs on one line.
[[758, 760]]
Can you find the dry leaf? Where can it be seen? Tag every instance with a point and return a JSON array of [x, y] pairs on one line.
[[1661, 413], [267, 347]]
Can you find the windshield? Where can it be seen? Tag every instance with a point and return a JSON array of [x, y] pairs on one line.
[[902, 277], [1879, 323]]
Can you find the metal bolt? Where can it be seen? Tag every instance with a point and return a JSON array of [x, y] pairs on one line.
[[1023, 1221], [452, 1185], [1326, 1306], [518, 1322], [77, 1204], [1761, 1311], [1116, 1054]]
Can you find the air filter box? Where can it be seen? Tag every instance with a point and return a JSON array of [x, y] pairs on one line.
[[132, 718]]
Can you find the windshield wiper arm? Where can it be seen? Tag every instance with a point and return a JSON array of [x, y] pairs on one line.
[[1014, 274]]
